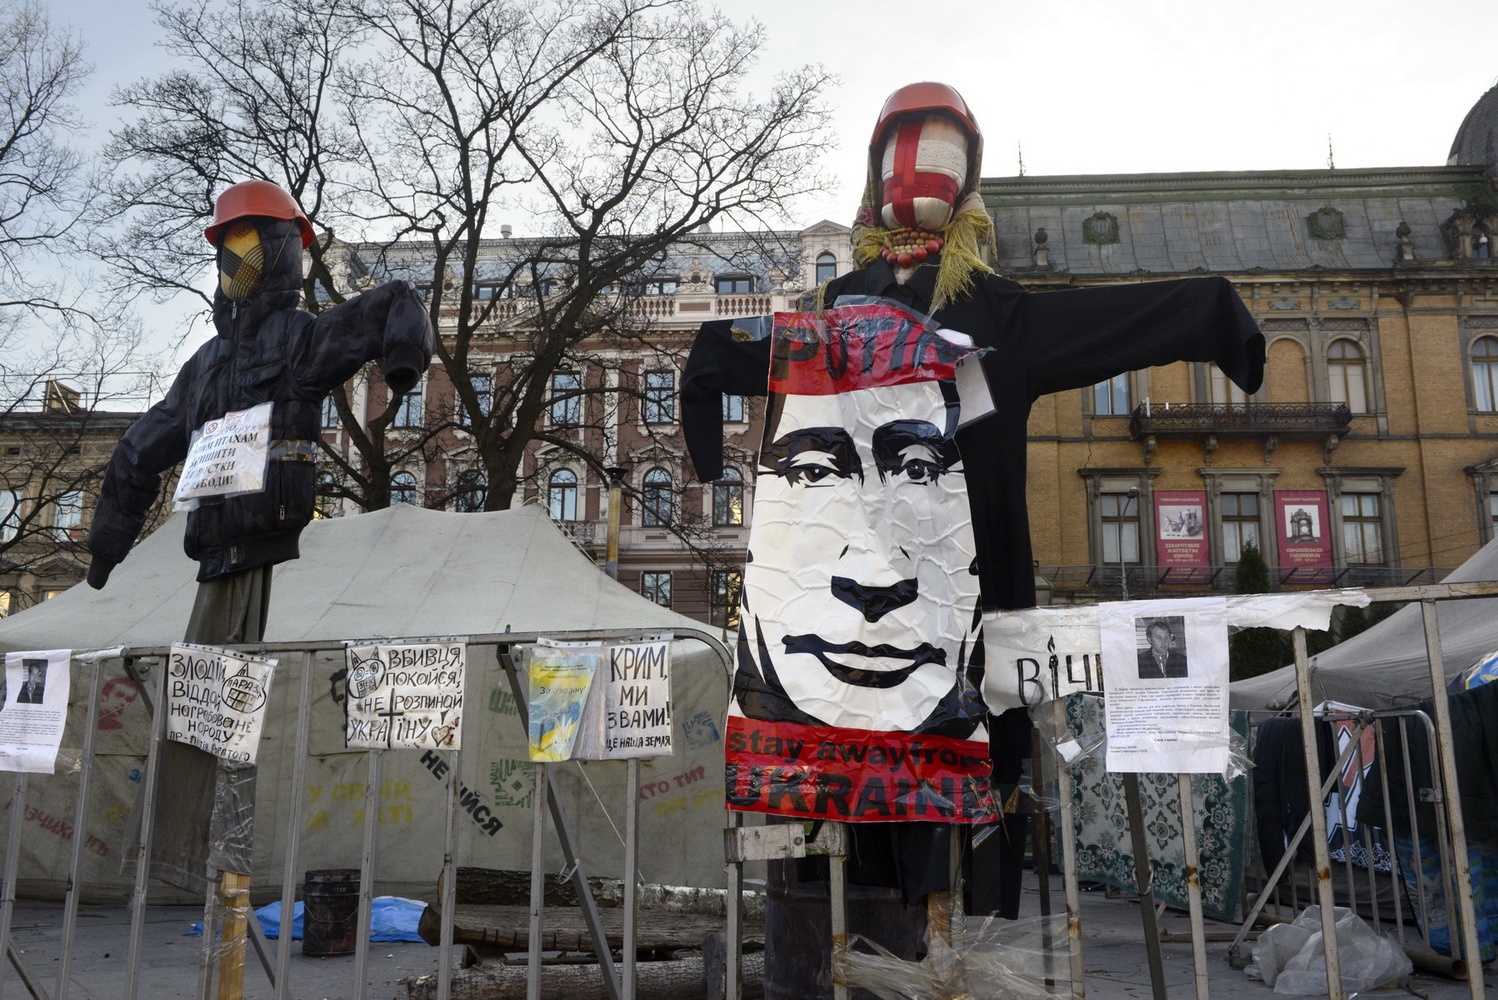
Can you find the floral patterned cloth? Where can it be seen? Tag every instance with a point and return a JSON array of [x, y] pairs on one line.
[[1101, 824]]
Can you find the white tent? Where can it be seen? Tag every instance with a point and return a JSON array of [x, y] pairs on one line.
[[1387, 665], [401, 572]]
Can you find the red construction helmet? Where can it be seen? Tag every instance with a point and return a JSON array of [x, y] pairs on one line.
[[914, 97], [256, 198]]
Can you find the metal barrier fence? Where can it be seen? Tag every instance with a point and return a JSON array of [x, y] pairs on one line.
[[226, 905]]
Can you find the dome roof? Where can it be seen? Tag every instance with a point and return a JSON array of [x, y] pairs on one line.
[[1476, 142]]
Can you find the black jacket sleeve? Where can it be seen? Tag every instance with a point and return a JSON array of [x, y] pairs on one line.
[[1079, 337], [148, 448], [729, 356], [388, 323]]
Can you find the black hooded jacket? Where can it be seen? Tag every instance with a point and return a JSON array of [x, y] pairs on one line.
[[266, 350]]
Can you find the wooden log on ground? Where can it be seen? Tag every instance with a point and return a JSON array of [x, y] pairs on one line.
[[679, 980], [489, 929]]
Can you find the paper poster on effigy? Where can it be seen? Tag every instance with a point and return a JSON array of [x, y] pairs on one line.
[[215, 700], [34, 709], [405, 695], [858, 625]]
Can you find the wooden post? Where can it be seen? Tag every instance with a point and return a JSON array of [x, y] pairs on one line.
[[234, 894]]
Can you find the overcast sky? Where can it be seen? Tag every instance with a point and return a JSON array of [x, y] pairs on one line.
[[1083, 86]]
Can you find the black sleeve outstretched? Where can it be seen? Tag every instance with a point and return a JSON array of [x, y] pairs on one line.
[[719, 364], [387, 324]]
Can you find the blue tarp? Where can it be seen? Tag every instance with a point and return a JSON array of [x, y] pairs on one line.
[[391, 918]]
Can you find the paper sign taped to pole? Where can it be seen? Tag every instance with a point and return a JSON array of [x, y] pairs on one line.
[[228, 457], [561, 676], [35, 709], [405, 695], [215, 700]]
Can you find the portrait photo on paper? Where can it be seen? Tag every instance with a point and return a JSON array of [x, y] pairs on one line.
[[1161, 645]]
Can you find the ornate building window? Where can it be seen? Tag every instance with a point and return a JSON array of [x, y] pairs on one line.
[[733, 284], [1347, 375], [656, 500], [403, 489], [483, 388], [1240, 524], [408, 413], [656, 586], [1362, 529], [10, 514], [733, 409], [1111, 398], [1484, 360], [566, 409], [469, 492], [660, 397], [1120, 528], [329, 412], [561, 495], [826, 267], [1222, 390], [724, 597], [67, 515], [728, 499]]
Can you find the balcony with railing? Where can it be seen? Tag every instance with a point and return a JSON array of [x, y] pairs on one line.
[[1084, 584], [1227, 420]]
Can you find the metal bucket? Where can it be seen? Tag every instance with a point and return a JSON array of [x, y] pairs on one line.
[[330, 918]]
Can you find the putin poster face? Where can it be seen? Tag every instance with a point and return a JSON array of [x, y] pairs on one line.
[[856, 693]]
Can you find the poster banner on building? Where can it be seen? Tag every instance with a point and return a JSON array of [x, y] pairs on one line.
[[561, 676], [215, 700], [1181, 549], [1166, 664], [405, 695], [628, 713], [34, 709], [1304, 532]]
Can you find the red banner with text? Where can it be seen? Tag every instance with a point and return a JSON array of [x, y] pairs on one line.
[[1181, 549], [1304, 530], [855, 775]]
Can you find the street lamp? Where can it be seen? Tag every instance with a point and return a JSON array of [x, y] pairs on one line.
[[616, 486], [1123, 565]]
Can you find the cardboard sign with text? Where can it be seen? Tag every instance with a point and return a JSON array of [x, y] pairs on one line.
[[215, 700], [406, 695]]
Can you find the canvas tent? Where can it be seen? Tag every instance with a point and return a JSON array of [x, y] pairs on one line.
[[400, 572], [1387, 665]]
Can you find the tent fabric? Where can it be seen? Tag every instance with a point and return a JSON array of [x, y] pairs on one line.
[[402, 571], [1387, 665], [397, 573]]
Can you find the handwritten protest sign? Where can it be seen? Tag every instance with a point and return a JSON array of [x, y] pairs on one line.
[[35, 708], [215, 700], [405, 695], [228, 457], [628, 713]]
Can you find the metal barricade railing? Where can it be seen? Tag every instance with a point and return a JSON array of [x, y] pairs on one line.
[[277, 967]]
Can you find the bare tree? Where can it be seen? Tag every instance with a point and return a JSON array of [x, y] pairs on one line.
[[42, 179], [613, 131]]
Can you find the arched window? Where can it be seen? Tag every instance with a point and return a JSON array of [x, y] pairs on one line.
[[10, 514], [561, 495], [826, 267], [656, 499], [1485, 374], [1347, 375], [728, 499], [469, 491], [403, 489], [1482, 242]]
